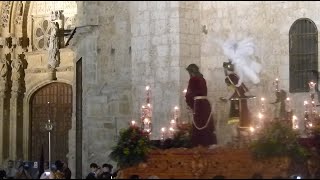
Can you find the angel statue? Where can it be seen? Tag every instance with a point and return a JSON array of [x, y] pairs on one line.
[[239, 54]]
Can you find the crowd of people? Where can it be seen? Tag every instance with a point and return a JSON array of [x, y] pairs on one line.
[[24, 170]]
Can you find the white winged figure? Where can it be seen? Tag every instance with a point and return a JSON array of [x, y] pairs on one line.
[[239, 54]]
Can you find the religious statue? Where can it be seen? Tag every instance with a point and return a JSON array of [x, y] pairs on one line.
[[280, 105], [197, 100], [20, 8], [3, 69], [17, 66], [239, 112], [53, 51]]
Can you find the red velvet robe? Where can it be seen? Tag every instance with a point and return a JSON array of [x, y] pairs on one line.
[[198, 87]]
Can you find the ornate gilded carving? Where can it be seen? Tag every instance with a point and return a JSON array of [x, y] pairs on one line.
[[206, 163], [199, 164], [5, 13]]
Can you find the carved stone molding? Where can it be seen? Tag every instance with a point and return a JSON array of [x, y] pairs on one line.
[[19, 13], [46, 70], [3, 69], [5, 13]]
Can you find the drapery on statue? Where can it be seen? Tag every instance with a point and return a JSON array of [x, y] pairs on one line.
[[3, 68], [242, 68], [196, 98], [53, 50], [17, 66], [239, 112]]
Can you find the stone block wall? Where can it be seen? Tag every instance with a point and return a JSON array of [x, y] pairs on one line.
[[269, 24], [128, 45]]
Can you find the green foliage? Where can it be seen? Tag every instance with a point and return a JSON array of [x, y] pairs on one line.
[[132, 147], [182, 137], [278, 140]]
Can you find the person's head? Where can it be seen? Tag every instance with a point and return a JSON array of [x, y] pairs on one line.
[[107, 168], [59, 165], [228, 66], [3, 173], [46, 165], [65, 165], [93, 167], [10, 164], [193, 70], [134, 176]]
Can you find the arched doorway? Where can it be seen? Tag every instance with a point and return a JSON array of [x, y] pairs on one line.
[[59, 111]]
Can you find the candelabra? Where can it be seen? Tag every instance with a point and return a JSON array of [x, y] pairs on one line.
[[146, 113], [49, 127], [311, 115], [163, 134], [261, 114], [276, 84]]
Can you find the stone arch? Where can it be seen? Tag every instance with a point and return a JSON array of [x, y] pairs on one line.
[[26, 112], [60, 95]]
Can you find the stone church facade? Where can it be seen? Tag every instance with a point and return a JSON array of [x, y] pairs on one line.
[[118, 49]]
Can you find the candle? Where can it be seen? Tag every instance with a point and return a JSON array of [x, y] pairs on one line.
[[262, 105], [288, 104], [133, 123], [295, 122], [276, 83], [184, 91], [176, 112], [163, 130], [148, 94], [171, 130]]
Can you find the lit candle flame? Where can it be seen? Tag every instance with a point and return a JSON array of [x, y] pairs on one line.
[[171, 129], [172, 121], [133, 123], [185, 91], [176, 108], [288, 99], [262, 99], [163, 129], [147, 88], [260, 115], [305, 102], [251, 129], [149, 105]]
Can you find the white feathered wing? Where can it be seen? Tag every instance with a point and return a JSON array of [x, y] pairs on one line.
[[239, 53]]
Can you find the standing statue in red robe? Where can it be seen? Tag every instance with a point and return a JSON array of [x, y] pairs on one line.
[[196, 98]]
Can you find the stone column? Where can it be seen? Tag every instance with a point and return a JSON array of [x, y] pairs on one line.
[[3, 89], [15, 114], [2, 119]]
